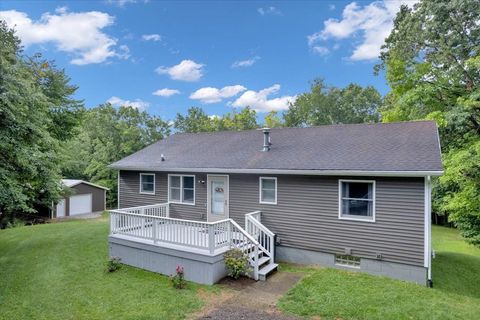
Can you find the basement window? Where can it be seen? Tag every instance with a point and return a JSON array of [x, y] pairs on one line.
[[345, 260]]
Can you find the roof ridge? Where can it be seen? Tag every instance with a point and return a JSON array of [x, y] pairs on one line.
[[309, 127]]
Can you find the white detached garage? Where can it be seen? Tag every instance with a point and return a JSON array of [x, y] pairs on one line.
[[86, 198]]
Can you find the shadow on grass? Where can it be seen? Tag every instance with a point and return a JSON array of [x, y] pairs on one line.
[[457, 273]]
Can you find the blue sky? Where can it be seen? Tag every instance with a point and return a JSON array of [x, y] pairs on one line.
[[217, 55]]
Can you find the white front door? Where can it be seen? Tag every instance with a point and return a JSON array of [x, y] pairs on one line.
[[80, 204], [218, 194], [61, 208]]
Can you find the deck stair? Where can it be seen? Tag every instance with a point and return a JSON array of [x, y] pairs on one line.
[[261, 260]]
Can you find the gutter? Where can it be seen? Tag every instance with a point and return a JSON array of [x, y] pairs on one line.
[[289, 172]]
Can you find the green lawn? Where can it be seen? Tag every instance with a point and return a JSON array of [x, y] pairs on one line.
[[331, 294], [56, 271]]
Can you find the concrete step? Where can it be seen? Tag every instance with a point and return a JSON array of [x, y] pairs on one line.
[[266, 270]]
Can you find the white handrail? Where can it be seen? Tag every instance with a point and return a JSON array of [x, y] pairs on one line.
[[140, 207], [249, 237], [261, 226], [262, 234], [168, 218]]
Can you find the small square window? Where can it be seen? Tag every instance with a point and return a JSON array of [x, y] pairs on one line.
[[268, 190], [147, 183]]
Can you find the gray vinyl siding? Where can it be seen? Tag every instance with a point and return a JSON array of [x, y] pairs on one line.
[[130, 195], [306, 213]]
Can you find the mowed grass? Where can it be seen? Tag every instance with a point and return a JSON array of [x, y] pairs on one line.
[[56, 271], [336, 294]]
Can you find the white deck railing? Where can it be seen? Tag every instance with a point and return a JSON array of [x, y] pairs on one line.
[[156, 210], [153, 223]]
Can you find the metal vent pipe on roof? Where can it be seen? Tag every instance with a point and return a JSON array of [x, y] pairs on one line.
[[266, 139]]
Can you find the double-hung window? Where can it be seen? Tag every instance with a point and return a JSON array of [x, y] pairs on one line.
[[181, 189], [357, 200], [268, 190], [147, 183]]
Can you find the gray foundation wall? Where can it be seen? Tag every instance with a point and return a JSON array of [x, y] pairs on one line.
[[376, 267], [197, 268]]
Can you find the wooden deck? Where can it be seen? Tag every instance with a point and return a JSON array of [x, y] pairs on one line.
[[151, 225]]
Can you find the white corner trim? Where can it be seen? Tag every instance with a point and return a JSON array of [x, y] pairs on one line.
[[141, 174], [181, 189], [428, 227], [374, 189], [118, 190], [260, 183]]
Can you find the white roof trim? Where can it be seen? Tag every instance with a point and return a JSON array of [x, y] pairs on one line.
[[294, 172], [85, 182]]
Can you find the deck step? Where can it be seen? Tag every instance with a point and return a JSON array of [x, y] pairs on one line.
[[263, 260], [266, 270]]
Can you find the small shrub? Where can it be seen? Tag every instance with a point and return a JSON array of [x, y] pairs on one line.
[[178, 280], [236, 263], [14, 223], [113, 264]]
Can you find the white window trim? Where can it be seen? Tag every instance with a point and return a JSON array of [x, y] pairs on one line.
[[342, 217], [260, 190], [181, 189], [141, 184]]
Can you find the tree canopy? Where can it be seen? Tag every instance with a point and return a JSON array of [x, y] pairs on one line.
[[36, 112], [331, 105], [105, 135], [432, 65], [197, 120]]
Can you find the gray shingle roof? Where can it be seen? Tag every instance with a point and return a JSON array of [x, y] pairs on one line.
[[382, 147], [73, 182]]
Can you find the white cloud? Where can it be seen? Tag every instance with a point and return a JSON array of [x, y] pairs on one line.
[[122, 3], [320, 50], [187, 70], [259, 100], [331, 7], [136, 104], [77, 33], [212, 95], [152, 37], [245, 63], [269, 10], [373, 22], [165, 92]]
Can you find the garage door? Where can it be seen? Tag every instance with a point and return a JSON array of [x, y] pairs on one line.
[[61, 208], [80, 204]]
